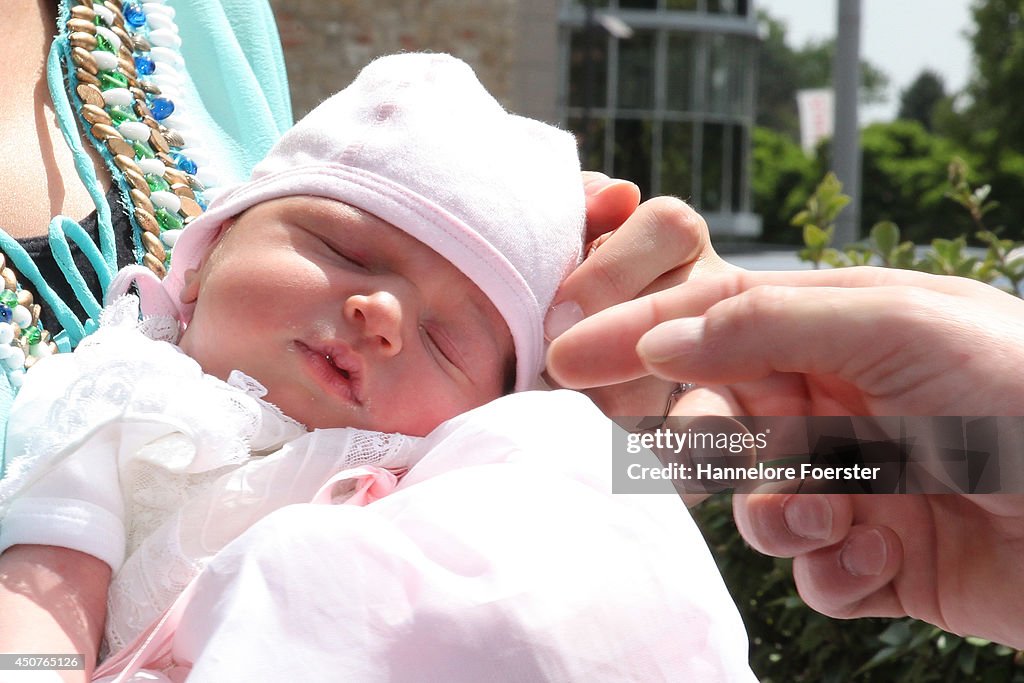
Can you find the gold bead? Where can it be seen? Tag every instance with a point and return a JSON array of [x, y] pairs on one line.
[[173, 137], [86, 41], [25, 298], [137, 180], [125, 162], [153, 245], [189, 207], [94, 114], [158, 141], [127, 66], [103, 132], [183, 190], [82, 12], [120, 146], [75, 25], [84, 76], [82, 58], [154, 265], [173, 176], [10, 279], [90, 94], [141, 201], [146, 220]]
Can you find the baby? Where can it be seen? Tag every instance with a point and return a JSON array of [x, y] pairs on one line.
[[386, 268]]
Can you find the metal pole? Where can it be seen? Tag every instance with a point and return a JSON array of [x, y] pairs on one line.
[[846, 138]]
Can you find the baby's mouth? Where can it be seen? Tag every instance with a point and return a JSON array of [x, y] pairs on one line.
[[342, 371]]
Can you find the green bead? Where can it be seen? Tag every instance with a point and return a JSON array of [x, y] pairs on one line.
[[143, 151], [104, 44], [167, 220], [121, 114], [8, 298], [112, 79], [32, 335], [156, 183]]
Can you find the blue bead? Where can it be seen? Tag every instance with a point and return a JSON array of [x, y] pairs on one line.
[[133, 14], [201, 201], [144, 65], [184, 163], [5, 314], [161, 108]]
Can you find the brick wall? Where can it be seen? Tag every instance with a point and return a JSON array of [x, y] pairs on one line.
[[511, 44]]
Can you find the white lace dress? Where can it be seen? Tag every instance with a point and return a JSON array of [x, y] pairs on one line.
[[127, 451]]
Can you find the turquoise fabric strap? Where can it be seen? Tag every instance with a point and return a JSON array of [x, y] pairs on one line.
[[83, 162]]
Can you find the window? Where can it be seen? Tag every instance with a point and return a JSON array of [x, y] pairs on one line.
[[670, 106]]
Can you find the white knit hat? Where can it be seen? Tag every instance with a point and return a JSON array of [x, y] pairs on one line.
[[417, 141]]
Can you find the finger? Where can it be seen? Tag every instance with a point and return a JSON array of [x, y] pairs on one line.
[[767, 329], [853, 578], [610, 201], [662, 235], [602, 348], [788, 525], [643, 396]]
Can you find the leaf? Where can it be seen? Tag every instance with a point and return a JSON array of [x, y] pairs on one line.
[[897, 634], [885, 236], [815, 237]]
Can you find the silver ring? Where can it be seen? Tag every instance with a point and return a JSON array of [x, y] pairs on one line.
[[674, 395]]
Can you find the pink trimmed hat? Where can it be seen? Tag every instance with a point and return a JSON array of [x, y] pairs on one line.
[[417, 141]]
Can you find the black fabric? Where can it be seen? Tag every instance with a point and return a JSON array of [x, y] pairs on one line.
[[39, 249]]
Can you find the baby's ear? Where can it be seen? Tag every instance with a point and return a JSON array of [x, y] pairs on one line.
[[190, 292]]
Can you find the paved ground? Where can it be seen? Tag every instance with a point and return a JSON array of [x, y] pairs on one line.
[[753, 257]]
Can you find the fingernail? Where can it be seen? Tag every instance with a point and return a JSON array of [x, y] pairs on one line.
[[670, 339], [808, 516], [864, 554], [603, 186], [560, 318]]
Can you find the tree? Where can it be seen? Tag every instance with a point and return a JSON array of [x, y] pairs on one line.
[[783, 70], [997, 87], [919, 101]]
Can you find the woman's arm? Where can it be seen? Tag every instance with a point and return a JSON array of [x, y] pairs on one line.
[[53, 601]]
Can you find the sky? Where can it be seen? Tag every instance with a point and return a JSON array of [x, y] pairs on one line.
[[901, 37]]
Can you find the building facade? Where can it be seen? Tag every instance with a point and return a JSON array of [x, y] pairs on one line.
[[658, 91]]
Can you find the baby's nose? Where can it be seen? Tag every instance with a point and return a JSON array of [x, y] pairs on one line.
[[378, 317]]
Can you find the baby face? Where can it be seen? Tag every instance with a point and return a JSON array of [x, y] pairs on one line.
[[345, 319]]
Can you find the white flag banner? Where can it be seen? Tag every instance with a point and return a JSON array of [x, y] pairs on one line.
[[815, 108]]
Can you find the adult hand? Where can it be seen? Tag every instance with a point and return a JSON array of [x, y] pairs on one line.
[[858, 341], [633, 249]]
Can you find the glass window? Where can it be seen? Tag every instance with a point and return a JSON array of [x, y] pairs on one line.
[[722, 6], [677, 159], [686, 90], [682, 64], [685, 5], [633, 153], [636, 71], [739, 57], [719, 75], [711, 174], [738, 154], [588, 68]]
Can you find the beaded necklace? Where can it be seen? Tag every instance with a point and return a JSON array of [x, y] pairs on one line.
[[123, 66]]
